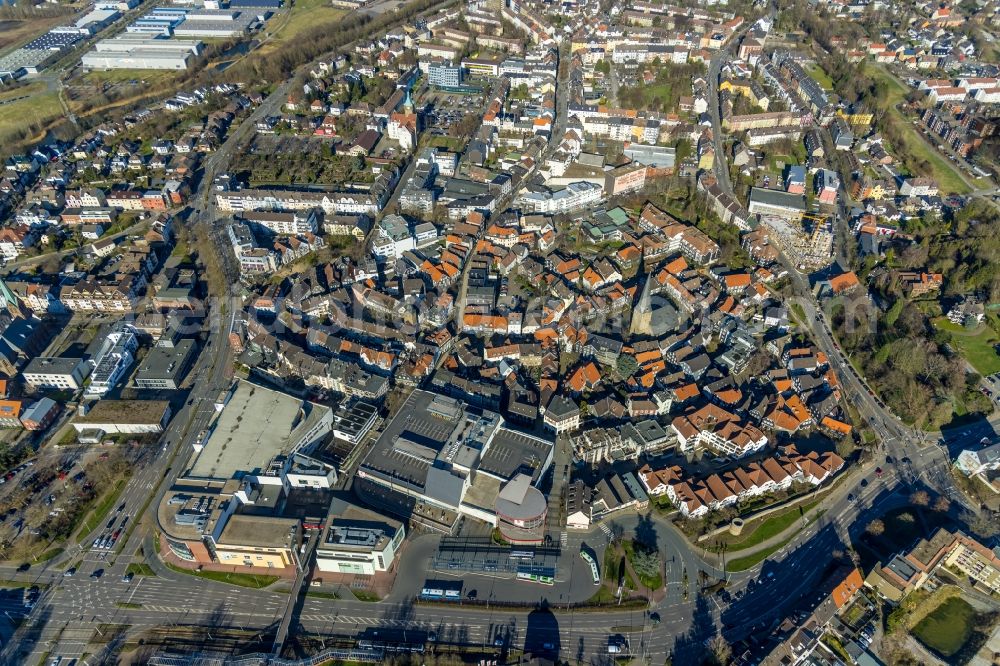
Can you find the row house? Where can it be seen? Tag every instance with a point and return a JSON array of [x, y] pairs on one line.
[[97, 295], [698, 497], [715, 428]]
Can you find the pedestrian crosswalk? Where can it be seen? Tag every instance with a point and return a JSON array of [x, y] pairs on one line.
[[607, 531], [564, 539]]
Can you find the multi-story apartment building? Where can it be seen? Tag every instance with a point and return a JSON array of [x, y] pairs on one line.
[[96, 295], [562, 415], [717, 429], [50, 372], [252, 258], [113, 360], [362, 198], [285, 224], [697, 497], [574, 196]]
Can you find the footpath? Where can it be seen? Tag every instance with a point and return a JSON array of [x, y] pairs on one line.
[[775, 542]]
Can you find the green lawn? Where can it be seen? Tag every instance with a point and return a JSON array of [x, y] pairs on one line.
[[758, 531], [750, 561], [50, 554], [365, 595], [949, 181], [650, 582], [14, 584], [946, 629], [140, 569], [38, 106], [100, 511], [451, 143], [821, 76], [854, 613], [602, 596], [978, 346], [150, 76], [322, 595], [243, 580], [609, 573], [127, 604]]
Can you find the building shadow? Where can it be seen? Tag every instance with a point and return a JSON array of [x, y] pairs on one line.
[[690, 647], [785, 585], [541, 634], [25, 638]]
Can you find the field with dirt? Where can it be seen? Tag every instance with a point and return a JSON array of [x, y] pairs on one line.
[[14, 32]]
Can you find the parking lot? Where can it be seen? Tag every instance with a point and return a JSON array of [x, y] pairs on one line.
[[45, 499], [446, 110], [992, 387]]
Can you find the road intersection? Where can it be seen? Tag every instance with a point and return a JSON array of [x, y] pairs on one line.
[[72, 609]]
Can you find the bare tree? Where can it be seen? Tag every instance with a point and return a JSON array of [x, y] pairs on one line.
[[719, 651], [942, 504], [875, 528], [920, 498]]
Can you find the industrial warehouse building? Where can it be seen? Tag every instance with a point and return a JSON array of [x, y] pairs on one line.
[[132, 51], [215, 23]]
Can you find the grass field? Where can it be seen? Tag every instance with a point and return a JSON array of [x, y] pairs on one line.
[[451, 143], [650, 582], [140, 569], [666, 94], [32, 103], [322, 595], [759, 531], [978, 346], [151, 76], [821, 76], [18, 584], [243, 580], [750, 561], [101, 509], [300, 16], [949, 180], [947, 627]]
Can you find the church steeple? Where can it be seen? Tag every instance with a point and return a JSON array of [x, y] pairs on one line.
[[11, 302]]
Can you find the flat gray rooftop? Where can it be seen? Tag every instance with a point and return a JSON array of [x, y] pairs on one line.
[[166, 362], [430, 429], [256, 425], [51, 365], [412, 439], [512, 452]]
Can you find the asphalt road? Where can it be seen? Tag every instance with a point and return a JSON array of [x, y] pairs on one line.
[[61, 618], [928, 461], [72, 609]]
